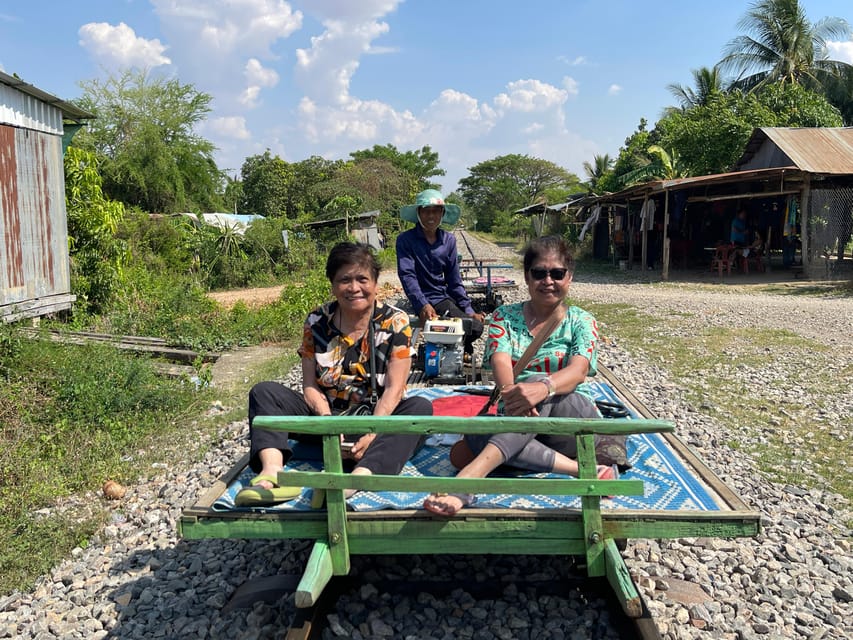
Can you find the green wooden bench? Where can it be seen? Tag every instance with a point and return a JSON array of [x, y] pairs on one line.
[[589, 532], [466, 532]]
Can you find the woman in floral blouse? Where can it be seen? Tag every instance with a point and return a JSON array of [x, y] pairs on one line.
[[335, 355]]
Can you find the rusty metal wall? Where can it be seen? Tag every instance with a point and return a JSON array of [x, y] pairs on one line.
[[34, 267]]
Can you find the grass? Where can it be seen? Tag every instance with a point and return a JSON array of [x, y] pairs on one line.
[[765, 419], [72, 417]]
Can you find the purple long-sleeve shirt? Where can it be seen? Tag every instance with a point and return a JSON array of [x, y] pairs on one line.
[[428, 272]]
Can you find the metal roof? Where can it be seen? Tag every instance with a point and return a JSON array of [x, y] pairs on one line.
[[658, 186], [68, 110], [541, 207], [823, 150]]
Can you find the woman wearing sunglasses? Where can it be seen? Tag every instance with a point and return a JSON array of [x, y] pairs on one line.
[[551, 384]]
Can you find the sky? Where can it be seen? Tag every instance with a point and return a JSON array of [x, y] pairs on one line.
[[563, 80]]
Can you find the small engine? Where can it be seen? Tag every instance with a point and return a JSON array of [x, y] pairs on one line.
[[444, 350]]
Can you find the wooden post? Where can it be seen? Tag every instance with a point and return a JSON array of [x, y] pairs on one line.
[[644, 227], [665, 254], [805, 250], [336, 509], [621, 582], [593, 525], [630, 234], [316, 576]]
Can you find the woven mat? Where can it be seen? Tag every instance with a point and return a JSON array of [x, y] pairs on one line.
[[669, 484]]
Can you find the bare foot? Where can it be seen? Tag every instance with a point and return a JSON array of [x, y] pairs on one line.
[[447, 504]]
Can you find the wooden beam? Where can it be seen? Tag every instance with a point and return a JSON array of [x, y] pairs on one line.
[[316, 576], [737, 196], [336, 507], [620, 581], [665, 253]]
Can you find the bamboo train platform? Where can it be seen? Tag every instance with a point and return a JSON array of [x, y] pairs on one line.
[[669, 492]]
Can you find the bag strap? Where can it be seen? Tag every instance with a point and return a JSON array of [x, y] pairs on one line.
[[371, 348], [539, 339]]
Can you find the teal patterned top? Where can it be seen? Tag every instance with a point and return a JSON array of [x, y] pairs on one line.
[[576, 335]]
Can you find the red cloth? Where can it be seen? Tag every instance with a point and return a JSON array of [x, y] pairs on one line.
[[463, 405]]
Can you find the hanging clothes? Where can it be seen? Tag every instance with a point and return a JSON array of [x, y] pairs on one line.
[[647, 216], [593, 218]]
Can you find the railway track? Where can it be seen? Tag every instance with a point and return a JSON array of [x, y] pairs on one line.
[[600, 612]]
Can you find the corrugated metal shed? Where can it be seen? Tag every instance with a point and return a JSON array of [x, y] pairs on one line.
[[34, 264], [818, 150]]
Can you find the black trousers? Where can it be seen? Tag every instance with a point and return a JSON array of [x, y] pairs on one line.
[[386, 455], [447, 306]]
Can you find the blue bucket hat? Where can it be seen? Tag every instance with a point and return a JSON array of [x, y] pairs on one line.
[[426, 198]]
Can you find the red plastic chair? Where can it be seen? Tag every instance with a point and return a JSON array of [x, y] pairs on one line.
[[724, 255]]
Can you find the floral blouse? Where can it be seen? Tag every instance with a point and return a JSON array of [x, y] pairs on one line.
[[343, 366]]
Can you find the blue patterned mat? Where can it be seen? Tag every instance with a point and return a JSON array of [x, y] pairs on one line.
[[669, 484]]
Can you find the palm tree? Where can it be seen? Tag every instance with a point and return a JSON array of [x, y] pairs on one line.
[[600, 165], [707, 81], [784, 46], [662, 166]]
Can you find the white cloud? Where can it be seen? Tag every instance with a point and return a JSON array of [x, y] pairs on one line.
[[257, 74], [232, 127], [614, 90], [574, 62], [324, 71], [257, 77], [349, 11], [530, 96], [357, 121], [119, 46], [455, 106], [215, 28], [842, 51], [571, 86]]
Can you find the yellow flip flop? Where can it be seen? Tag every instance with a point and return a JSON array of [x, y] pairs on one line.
[[255, 496]]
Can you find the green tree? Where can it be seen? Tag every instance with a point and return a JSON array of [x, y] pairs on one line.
[[145, 139], [795, 106], [711, 137], [266, 185], [421, 165], [97, 257], [632, 156], [507, 183], [304, 198], [707, 81], [782, 45], [596, 170], [376, 183], [839, 93], [664, 165]]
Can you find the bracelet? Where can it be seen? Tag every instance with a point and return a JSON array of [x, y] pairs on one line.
[[548, 382]]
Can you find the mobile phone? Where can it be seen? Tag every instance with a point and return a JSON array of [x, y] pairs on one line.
[[347, 446]]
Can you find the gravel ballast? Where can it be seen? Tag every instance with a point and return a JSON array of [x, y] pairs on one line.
[[137, 579]]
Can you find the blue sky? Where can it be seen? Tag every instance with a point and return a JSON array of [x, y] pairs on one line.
[[563, 80]]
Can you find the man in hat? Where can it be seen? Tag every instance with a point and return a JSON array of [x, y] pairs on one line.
[[428, 264]]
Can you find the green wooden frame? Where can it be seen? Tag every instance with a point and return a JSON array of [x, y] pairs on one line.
[[587, 532]]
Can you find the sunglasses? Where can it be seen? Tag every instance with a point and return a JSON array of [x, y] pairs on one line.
[[540, 274]]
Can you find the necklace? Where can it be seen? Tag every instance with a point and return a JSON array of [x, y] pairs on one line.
[[531, 319], [355, 334]]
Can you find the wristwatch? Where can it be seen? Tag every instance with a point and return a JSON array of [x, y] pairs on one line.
[[550, 384]]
